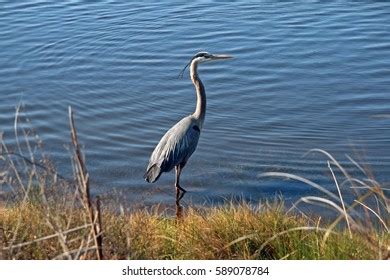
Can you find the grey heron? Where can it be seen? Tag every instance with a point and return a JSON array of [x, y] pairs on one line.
[[179, 142]]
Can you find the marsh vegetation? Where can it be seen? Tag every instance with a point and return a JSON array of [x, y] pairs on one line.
[[44, 215]]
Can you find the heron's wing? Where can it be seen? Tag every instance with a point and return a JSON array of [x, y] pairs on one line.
[[177, 145]]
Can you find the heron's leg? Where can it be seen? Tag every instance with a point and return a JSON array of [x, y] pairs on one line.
[[179, 195], [177, 178]]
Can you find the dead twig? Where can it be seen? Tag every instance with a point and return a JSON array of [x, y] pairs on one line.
[[2, 244], [99, 227], [83, 180], [46, 237]]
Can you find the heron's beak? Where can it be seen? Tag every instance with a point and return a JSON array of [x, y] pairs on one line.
[[220, 56]]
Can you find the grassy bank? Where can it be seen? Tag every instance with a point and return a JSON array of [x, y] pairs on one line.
[[228, 232], [44, 215]]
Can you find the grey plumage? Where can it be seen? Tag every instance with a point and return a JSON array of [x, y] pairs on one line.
[[175, 148], [180, 142]]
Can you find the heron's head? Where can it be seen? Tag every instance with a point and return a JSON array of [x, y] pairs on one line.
[[205, 56], [201, 57]]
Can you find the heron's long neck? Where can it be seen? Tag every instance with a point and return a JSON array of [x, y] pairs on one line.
[[200, 111]]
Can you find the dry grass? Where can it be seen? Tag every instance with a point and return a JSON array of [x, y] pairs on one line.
[[49, 217], [228, 232]]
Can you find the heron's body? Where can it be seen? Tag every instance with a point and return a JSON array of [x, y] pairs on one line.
[[180, 142], [175, 148]]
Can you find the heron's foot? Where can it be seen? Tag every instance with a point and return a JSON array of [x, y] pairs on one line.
[[180, 188], [179, 193], [183, 191]]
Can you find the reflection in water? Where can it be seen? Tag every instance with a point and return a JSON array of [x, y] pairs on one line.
[[179, 210]]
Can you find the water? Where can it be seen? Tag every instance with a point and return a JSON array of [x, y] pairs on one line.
[[305, 75]]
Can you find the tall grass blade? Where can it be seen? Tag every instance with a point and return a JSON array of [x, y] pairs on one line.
[[341, 199]]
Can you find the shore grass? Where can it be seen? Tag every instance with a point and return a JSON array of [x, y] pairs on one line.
[[232, 231], [44, 215]]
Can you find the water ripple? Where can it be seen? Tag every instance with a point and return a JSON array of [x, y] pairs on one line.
[[305, 75]]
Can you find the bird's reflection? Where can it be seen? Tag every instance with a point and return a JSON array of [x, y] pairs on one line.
[[179, 210]]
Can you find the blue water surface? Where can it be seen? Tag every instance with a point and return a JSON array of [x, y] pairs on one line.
[[306, 75]]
